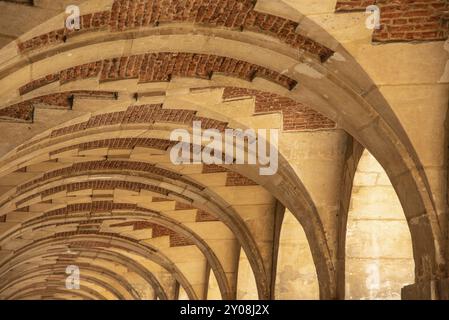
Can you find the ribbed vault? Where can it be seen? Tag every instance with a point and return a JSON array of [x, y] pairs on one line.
[[89, 182]]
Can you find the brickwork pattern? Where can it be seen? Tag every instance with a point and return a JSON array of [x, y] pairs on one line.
[[296, 116], [176, 240], [118, 144], [231, 14], [406, 20], [106, 166], [161, 67], [24, 111], [95, 185], [93, 225], [135, 114], [235, 179]]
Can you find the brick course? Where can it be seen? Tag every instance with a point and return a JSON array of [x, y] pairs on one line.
[[109, 206], [230, 14], [96, 185], [235, 179], [35, 84], [161, 67], [93, 225], [89, 22], [213, 168], [296, 116], [119, 143], [18, 113], [204, 216], [151, 113], [88, 207], [24, 111], [107, 165], [176, 240]]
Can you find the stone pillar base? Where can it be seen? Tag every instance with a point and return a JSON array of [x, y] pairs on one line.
[[427, 290]]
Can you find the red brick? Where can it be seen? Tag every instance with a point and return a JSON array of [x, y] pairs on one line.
[[296, 116], [24, 111], [119, 143], [212, 168], [21, 112], [176, 240], [183, 206], [141, 114], [204, 216], [134, 14], [237, 180], [423, 20], [88, 22], [33, 85], [96, 185], [157, 67], [159, 199]]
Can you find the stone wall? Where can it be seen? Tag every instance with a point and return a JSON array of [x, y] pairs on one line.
[[379, 258], [296, 276]]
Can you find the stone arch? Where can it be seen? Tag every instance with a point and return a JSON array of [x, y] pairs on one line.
[[153, 217], [112, 241], [306, 205], [54, 271], [341, 90], [115, 257]]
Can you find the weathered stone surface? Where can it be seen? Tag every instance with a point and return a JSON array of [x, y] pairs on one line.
[[86, 177]]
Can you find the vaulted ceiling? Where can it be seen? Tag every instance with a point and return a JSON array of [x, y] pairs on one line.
[[86, 177]]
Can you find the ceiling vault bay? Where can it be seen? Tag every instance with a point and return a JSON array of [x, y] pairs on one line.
[[85, 172]]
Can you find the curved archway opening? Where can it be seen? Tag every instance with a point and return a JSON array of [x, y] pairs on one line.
[[379, 254], [296, 277]]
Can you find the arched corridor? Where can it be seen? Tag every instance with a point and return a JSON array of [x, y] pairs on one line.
[[226, 149]]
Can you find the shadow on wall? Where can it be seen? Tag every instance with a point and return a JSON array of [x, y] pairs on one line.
[[445, 77], [246, 282], [296, 277]]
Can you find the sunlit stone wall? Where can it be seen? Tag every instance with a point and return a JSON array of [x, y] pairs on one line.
[[379, 258]]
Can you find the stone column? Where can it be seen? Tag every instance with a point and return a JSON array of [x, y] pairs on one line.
[[427, 290]]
